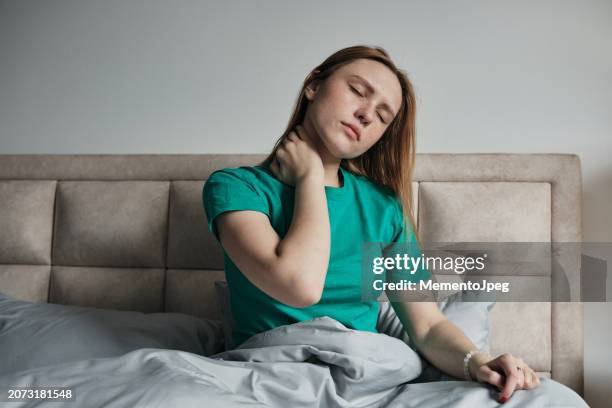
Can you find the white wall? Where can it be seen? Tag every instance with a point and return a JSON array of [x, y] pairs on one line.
[[222, 76]]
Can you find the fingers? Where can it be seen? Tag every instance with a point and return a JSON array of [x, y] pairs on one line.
[[504, 373], [516, 379], [299, 130], [512, 375], [304, 136], [280, 154], [491, 377], [299, 134], [528, 383], [537, 379], [520, 383], [531, 379], [292, 136], [520, 365]]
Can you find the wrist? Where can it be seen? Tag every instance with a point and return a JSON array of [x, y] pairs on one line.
[[476, 361], [313, 176]]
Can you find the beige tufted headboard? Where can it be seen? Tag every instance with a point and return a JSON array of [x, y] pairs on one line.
[[129, 232]]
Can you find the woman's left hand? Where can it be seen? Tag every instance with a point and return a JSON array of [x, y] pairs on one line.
[[507, 373]]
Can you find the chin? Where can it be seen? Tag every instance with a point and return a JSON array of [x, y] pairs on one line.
[[341, 151], [339, 145]]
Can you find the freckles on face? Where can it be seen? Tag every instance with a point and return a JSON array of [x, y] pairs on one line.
[[365, 94], [337, 104], [362, 105]]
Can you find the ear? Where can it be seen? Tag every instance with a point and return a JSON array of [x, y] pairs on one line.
[[313, 87], [311, 90]]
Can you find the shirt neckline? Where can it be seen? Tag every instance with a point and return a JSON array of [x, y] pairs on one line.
[[336, 192], [330, 191]]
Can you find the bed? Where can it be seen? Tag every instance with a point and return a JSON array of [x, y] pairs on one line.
[[128, 233]]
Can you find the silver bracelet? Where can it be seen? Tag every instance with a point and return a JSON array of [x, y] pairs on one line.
[[466, 361]]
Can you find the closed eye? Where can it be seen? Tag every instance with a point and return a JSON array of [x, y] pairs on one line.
[[357, 92]]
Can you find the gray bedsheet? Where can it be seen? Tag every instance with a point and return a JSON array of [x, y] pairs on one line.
[[316, 363]]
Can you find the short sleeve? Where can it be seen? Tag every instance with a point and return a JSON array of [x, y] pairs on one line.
[[225, 190], [399, 227]]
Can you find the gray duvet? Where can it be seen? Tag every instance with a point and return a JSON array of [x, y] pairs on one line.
[[315, 363]]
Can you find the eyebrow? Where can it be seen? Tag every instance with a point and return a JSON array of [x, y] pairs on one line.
[[372, 90]]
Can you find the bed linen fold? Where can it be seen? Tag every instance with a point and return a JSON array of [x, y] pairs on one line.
[[314, 363]]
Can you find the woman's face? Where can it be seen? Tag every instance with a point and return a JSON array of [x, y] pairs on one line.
[[363, 93]]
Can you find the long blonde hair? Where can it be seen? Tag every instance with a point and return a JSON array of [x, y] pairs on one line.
[[390, 161]]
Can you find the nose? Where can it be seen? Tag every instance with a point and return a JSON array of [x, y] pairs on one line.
[[364, 114]]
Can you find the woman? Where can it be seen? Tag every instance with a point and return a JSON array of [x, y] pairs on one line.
[[340, 175]]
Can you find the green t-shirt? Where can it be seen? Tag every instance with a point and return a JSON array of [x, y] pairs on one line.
[[359, 211]]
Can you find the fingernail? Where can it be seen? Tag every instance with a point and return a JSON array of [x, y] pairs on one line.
[[503, 399]]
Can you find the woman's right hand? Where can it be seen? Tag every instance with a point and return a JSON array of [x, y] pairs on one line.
[[296, 158]]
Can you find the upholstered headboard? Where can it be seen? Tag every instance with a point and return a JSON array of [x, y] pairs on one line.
[[129, 232]]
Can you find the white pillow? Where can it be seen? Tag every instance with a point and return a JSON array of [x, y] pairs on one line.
[[464, 309]]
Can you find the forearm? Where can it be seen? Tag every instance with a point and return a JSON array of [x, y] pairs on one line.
[[445, 346], [306, 246]]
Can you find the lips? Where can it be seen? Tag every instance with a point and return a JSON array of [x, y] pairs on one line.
[[352, 129]]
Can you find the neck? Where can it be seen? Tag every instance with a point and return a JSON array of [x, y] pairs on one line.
[[331, 164], [332, 174]]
